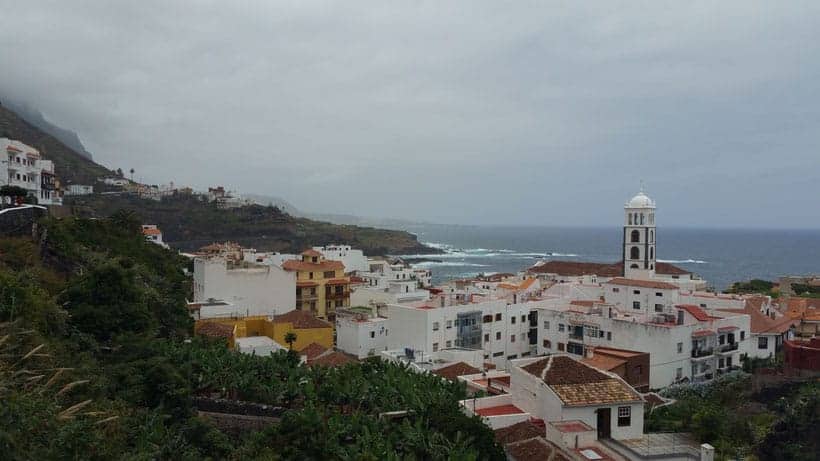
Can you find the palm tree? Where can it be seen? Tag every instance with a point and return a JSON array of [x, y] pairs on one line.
[[132, 175], [290, 338]]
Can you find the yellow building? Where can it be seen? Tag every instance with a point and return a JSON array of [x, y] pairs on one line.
[[321, 285], [308, 329]]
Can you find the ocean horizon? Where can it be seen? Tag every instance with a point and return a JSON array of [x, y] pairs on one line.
[[721, 255]]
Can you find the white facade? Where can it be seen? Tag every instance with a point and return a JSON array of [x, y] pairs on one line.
[[115, 181], [361, 335], [21, 165], [250, 255], [353, 260], [384, 283], [257, 289], [500, 329], [79, 189]]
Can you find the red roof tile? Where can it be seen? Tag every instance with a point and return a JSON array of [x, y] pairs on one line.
[[332, 359], [301, 319], [642, 283], [452, 372], [517, 432], [695, 311], [313, 350], [499, 410], [215, 330], [578, 268], [312, 253], [701, 333]]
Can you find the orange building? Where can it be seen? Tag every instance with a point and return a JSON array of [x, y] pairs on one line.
[[321, 285]]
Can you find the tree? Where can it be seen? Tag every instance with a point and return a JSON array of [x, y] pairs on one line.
[[290, 338], [120, 173], [132, 174]]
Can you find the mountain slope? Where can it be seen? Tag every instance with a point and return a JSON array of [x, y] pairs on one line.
[[188, 223], [36, 118], [72, 167]]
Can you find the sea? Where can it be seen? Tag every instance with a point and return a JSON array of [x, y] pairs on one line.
[[720, 256]]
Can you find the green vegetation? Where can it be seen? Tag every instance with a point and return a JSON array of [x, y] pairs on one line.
[[805, 290], [764, 287], [95, 364], [188, 223], [781, 422]]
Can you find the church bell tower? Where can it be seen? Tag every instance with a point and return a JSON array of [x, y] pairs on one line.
[[639, 237]]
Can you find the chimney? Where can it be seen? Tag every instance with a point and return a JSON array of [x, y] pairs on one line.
[[589, 352]]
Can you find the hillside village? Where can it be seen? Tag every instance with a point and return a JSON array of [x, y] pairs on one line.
[[564, 359]]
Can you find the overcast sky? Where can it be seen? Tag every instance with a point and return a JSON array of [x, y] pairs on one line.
[[458, 112]]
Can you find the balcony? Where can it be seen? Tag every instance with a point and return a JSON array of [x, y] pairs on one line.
[[306, 297], [576, 337], [337, 294], [727, 348], [702, 353]]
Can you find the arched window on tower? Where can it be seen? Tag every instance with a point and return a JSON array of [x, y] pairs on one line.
[[651, 236], [630, 219], [642, 216], [652, 266], [651, 253], [636, 236], [634, 266], [634, 253]]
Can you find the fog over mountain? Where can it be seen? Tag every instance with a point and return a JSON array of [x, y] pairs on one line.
[[473, 112]]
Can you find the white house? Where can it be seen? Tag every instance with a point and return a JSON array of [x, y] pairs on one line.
[[384, 283], [258, 345], [354, 260], [153, 234], [79, 189], [361, 333], [21, 165], [258, 289]]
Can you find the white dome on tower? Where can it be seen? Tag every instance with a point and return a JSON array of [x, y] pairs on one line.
[[640, 201]]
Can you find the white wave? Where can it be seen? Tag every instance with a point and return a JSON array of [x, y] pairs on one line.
[[429, 264], [683, 261], [439, 246]]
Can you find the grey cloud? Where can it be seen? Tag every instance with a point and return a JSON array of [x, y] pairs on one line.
[[473, 112]]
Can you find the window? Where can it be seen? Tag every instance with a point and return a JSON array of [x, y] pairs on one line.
[[679, 373], [609, 336], [651, 252], [435, 347], [636, 304], [329, 274], [512, 357], [546, 324], [560, 327], [575, 348], [639, 370], [742, 335], [601, 334], [636, 292], [591, 331], [630, 219], [372, 334], [624, 416], [435, 326], [497, 317], [659, 294], [634, 253], [703, 305], [616, 290], [546, 343], [561, 347], [486, 337], [720, 363], [658, 307], [512, 338], [498, 354], [310, 275], [729, 362], [498, 336], [512, 319], [449, 324], [762, 342], [680, 348], [487, 318], [448, 344], [636, 236], [523, 318]]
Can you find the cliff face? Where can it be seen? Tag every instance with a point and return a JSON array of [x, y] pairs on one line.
[[71, 167], [187, 224]]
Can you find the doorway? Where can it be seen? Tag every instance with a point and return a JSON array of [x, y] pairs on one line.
[[604, 422]]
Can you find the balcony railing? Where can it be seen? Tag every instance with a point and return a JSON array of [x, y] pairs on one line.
[[728, 347], [576, 337], [698, 353], [307, 297], [337, 294]]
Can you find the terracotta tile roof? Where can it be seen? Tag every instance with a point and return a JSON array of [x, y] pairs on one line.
[[306, 284], [695, 311], [301, 319], [642, 283], [452, 372], [603, 362], [701, 333], [294, 265], [527, 283], [338, 282], [583, 302], [579, 384], [500, 410], [803, 308], [332, 359], [517, 432], [761, 323], [313, 350], [577, 268], [668, 269], [151, 232], [312, 253], [215, 330], [537, 448], [571, 426]]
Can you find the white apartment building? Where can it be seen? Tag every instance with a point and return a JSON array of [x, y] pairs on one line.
[[685, 342], [384, 283], [354, 260], [500, 329], [257, 289], [21, 165]]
